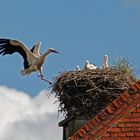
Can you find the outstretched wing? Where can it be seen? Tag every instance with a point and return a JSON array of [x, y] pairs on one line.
[[8, 46], [36, 49]]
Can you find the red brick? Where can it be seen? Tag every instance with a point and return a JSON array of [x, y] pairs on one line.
[[123, 97], [134, 138], [124, 120], [90, 124], [114, 106], [126, 94], [87, 127], [130, 101], [129, 124], [125, 138], [102, 115], [93, 132], [101, 132], [125, 105], [94, 121], [82, 131], [105, 138], [100, 127], [134, 87], [136, 96], [108, 121], [98, 118], [87, 137], [120, 138], [113, 122], [115, 130], [130, 134], [137, 133], [114, 134], [106, 134], [130, 115], [110, 109], [116, 103], [118, 112], [121, 124], [81, 134], [136, 124], [73, 138], [138, 109], [134, 110], [137, 85], [106, 113], [119, 100], [134, 119], [129, 129], [111, 118], [122, 134], [138, 82], [136, 114]]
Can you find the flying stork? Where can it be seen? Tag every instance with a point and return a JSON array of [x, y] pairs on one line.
[[89, 66], [33, 60]]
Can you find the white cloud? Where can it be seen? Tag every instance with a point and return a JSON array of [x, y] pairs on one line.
[[25, 118]]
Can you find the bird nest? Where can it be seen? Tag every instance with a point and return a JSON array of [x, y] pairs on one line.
[[87, 92]]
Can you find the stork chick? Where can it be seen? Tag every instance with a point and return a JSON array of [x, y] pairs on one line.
[[78, 68], [105, 65], [89, 66], [33, 61]]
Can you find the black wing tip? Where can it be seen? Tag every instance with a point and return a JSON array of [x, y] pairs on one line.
[[2, 53], [2, 40], [32, 49]]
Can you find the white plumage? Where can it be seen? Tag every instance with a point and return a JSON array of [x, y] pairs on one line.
[[89, 66], [33, 60], [105, 65], [78, 68]]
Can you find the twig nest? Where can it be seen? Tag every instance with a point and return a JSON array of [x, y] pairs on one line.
[[86, 92]]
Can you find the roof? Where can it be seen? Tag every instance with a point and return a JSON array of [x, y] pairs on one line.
[[123, 111]]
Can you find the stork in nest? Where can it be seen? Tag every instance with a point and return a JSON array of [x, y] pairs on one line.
[[89, 66], [78, 68], [105, 65], [33, 60]]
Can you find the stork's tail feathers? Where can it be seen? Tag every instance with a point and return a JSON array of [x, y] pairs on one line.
[[25, 72]]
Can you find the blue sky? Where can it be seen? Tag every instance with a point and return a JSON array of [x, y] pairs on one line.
[[80, 29]]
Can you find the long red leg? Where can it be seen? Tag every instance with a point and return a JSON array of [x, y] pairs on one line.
[[40, 73], [42, 77]]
